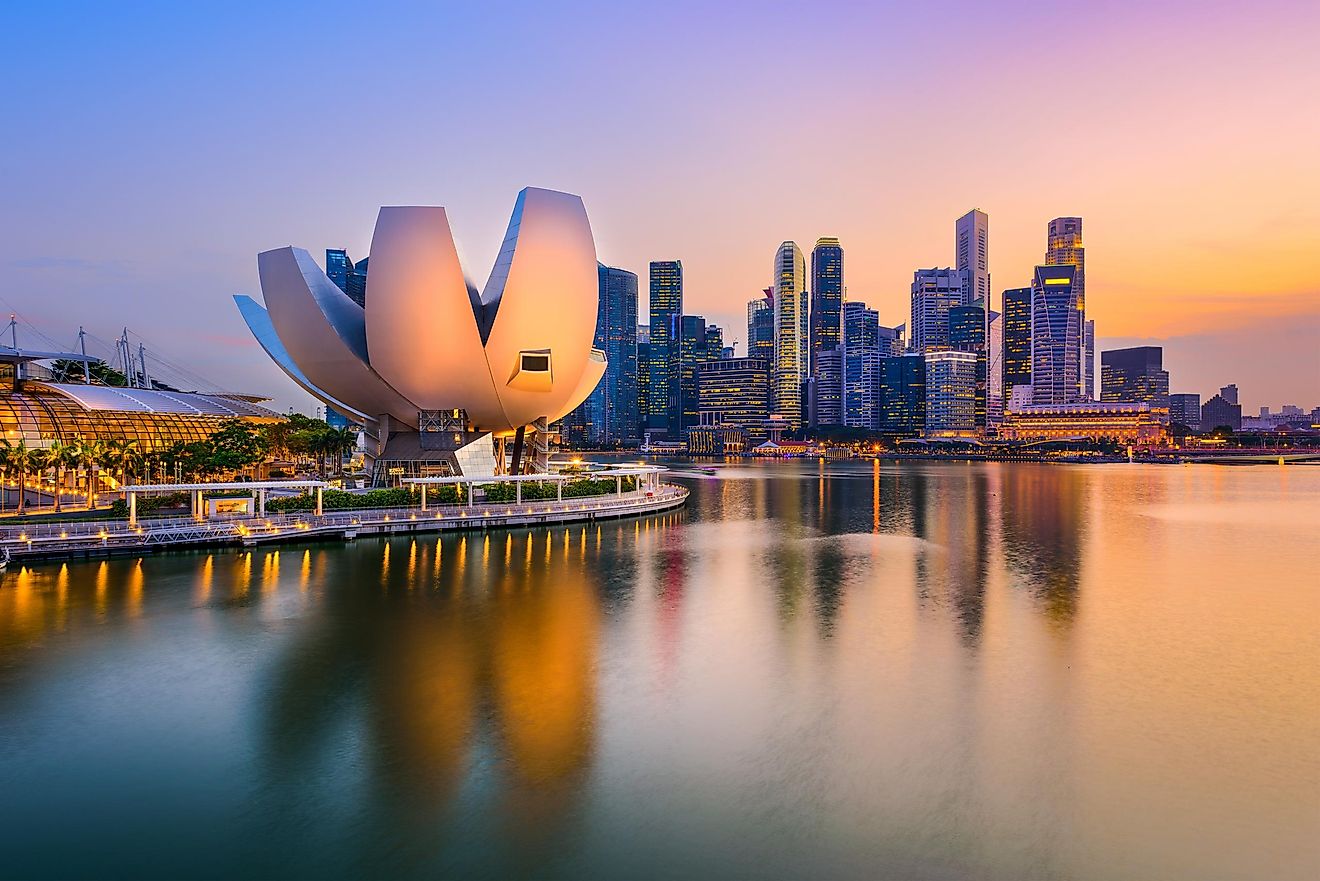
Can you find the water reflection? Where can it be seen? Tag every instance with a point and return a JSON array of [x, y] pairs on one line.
[[817, 669]]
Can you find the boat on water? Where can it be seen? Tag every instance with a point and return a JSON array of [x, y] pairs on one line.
[[4, 559]]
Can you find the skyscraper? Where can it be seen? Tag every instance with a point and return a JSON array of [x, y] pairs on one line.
[[903, 390], [994, 346], [696, 346], [1185, 409], [348, 277], [792, 333], [972, 247], [1063, 247], [666, 305], [761, 327], [967, 330], [1135, 374], [1017, 339], [862, 351], [1088, 362], [951, 394], [825, 406], [734, 393], [1057, 340], [826, 296], [934, 293], [643, 377]]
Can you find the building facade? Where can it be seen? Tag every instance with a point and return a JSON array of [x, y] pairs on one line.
[[1222, 411], [734, 395], [666, 308], [1057, 342], [862, 352], [1134, 374], [972, 249], [934, 293], [826, 386], [951, 394], [792, 333], [1123, 423], [761, 326], [1017, 338], [1063, 247], [695, 346], [1185, 409], [903, 394], [609, 416]]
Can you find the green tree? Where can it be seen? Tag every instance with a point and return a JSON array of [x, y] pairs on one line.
[[60, 456], [20, 459]]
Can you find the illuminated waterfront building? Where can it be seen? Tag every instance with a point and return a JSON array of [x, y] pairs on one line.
[[792, 332], [1063, 247], [1016, 362], [666, 305], [734, 395], [862, 354], [934, 293], [951, 394], [1134, 374], [761, 327], [693, 347], [972, 249], [994, 350], [826, 297], [1185, 409], [826, 399], [1057, 342], [1137, 424], [903, 394]]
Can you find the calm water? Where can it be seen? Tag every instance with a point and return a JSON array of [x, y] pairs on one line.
[[912, 671]]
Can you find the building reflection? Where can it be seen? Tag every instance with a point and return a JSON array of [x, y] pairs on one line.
[[1044, 526]]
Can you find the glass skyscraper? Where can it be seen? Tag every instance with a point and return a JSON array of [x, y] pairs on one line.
[[1057, 337], [1063, 247], [761, 327], [862, 353], [609, 415], [666, 306], [934, 293], [1135, 374], [1016, 361], [348, 277], [792, 333], [903, 390], [827, 289]]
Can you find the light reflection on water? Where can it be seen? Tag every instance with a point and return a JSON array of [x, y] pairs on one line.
[[853, 669]]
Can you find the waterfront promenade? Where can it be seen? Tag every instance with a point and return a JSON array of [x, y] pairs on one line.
[[54, 539]]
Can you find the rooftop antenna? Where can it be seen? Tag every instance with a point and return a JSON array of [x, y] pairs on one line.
[[82, 344]]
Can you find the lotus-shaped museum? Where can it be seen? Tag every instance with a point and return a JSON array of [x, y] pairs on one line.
[[429, 354]]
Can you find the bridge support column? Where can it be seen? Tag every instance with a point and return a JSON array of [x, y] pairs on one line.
[[423, 487], [132, 509], [320, 505], [517, 492], [261, 503]]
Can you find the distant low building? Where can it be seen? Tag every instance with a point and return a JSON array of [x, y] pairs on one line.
[[1219, 412], [1185, 409], [1134, 423]]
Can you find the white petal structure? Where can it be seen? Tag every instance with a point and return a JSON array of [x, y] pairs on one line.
[[519, 351]]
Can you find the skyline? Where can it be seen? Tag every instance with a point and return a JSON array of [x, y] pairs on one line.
[[142, 201]]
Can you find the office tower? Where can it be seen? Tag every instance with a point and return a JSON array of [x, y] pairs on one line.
[[1222, 410], [734, 394], [825, 404], [862, 350], [761, 327], [934, 293], [349, 278], [967, 330], [1135, 374], [643, 377], [666, 305], [610, 414], [891, 340], [1185, 409], [994, 348], [903, 391], [1056, 337], [972, 247], [826, 297], [1088, 366], [951, 394], [1017, 339], [714, 341], [792, 333], [1063, 247], [695, 347]]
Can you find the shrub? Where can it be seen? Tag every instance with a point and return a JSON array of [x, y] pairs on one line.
[[339, 500], [150, 504], [573, 489]]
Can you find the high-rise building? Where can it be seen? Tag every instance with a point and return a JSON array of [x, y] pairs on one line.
[[934, 293], [825, 404], [994, 346], [792, 333], [826, 297], [1222, 410], [891, 340], [666, 306], [734, 394], [761, 327], [610, 414], [967, 331], [694, 348], [714, 341], [951, 394], [348, 277], [1063, 247], [1135, 374], [1185, 409], [643, 377], [862, 351], [903, 391], [1017, 338], [1056, 337], [972, 247]]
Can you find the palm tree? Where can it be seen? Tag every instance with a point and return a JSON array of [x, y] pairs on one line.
[[5, 470], [341, 442], [22, 459], [90, 455], [59, 456]]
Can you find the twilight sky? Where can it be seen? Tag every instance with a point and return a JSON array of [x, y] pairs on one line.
[[152, 151]]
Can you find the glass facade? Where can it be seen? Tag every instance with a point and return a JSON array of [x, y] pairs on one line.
[[1057, 341], [1017, 338], [666, 305], [1135, 374], [904, 394], [610, 414], [761, 327], [826, 297], [792, 332], [861, 366]]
